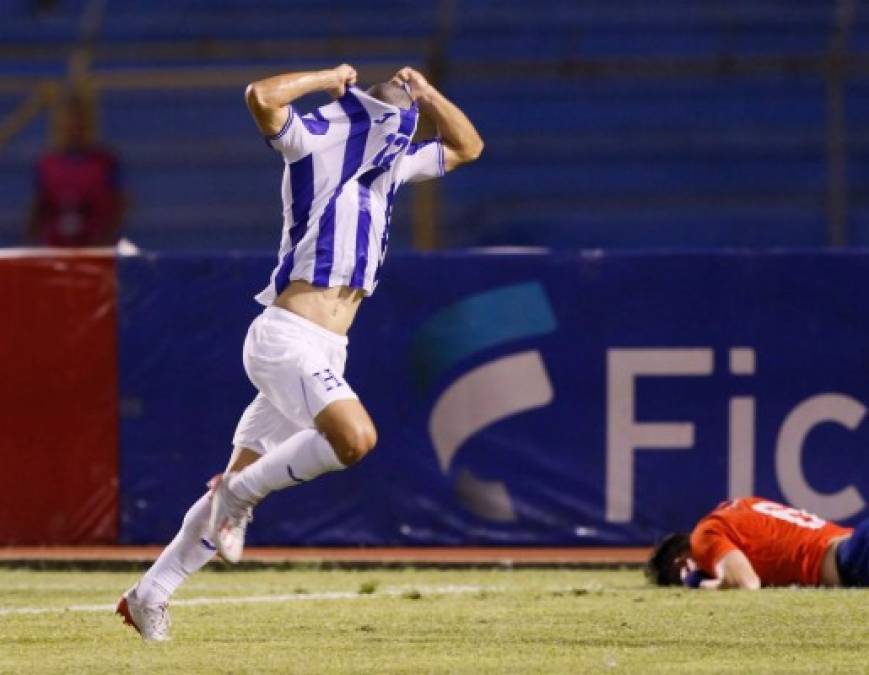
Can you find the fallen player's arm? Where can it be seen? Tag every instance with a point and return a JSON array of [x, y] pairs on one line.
[[734, 570], [268, 99], [460, 139]]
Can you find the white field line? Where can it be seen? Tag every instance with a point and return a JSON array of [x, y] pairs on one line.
[[389, 591]]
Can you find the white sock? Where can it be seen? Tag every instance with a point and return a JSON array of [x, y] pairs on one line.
[[189, 551], [302, 457]]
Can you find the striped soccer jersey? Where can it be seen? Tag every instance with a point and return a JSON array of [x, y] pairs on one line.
[[343, 165]]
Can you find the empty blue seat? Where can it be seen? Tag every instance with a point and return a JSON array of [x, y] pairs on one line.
[[575, 156]]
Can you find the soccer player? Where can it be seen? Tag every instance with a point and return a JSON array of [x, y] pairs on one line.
[[753, 542], [343, 165]]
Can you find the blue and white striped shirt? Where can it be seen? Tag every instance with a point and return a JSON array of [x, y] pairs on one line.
[[344, 162]]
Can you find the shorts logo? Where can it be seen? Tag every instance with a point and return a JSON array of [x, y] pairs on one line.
[[328, 379]]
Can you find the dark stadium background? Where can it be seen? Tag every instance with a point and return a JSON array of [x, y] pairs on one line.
[[608, 124]]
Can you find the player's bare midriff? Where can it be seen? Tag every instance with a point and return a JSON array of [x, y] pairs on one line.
[[331, 308]]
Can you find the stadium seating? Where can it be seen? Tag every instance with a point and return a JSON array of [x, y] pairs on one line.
[[628, 124]]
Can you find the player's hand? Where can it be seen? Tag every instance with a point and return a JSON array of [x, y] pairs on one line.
[[416, 83], [342, 76], [711, 584]]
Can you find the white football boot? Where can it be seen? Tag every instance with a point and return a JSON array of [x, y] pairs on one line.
[[151, 621], [229, 518]]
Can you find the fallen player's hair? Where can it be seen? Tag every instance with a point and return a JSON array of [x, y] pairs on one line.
[[391, 94], [659, 568]]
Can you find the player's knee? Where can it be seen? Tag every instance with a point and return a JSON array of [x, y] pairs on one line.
[[353, 442]]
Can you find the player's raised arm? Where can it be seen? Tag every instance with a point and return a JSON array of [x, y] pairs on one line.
[[460, 139], [268, 99]]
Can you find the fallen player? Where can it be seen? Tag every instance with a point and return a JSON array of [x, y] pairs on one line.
[[754, 542]]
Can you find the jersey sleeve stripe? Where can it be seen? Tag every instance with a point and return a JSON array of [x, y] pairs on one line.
[[290, 115]]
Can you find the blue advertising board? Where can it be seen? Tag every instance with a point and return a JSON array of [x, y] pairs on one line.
[[521, 398]]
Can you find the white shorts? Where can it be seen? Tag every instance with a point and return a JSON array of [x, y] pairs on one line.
[[298, 368]]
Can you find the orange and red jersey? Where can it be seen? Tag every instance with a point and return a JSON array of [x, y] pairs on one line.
[[784, 545]]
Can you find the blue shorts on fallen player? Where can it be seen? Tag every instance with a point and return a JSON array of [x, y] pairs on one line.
[[852, 557]]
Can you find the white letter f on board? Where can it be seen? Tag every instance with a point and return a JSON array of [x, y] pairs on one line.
[[624, 434]]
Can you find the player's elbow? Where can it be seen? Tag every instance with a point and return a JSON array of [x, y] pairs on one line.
[[752, 584], [255, 98], [471, 151]]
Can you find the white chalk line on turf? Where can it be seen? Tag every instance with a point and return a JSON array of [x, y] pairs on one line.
[[389, 591]]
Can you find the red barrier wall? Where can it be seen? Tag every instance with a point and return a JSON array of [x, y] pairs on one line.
[[58, 399]]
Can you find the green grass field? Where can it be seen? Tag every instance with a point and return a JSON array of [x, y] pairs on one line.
[[420, 621]]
